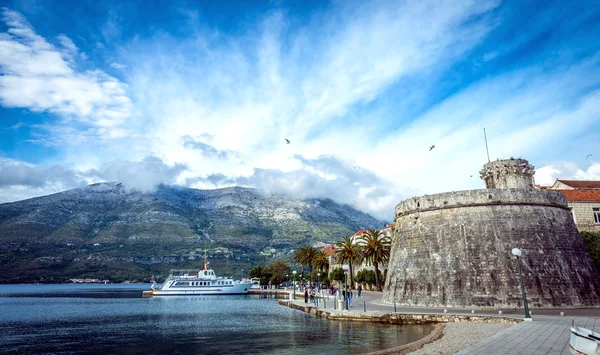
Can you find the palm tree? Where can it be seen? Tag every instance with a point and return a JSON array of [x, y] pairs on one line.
[[305, 257], [375, 249], [347, 252], [321, 261], [299, 258]]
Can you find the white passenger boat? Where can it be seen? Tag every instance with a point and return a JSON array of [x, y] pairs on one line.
[[199, 282], [584, 341]]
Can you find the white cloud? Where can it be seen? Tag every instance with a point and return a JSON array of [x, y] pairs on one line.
[[325, 85], [563, 170], [19, 180], [144, 175], [40, 77]]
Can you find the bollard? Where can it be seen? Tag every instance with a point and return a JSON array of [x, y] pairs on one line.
[[394, 307], [334, 302], [472, 311], [562, 314], [365, 306], [530, 313], [445, 310], [324, 302], [500, 312]]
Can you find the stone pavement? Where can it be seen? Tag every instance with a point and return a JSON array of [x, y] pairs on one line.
[[547, 334]]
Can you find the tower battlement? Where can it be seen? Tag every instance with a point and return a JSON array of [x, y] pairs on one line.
[[507, 174]]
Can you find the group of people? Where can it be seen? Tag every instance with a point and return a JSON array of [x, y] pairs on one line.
[[311, 292]]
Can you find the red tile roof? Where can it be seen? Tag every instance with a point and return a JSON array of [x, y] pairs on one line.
[[581, 195], [360, 232], [329, 249], [582, 184]]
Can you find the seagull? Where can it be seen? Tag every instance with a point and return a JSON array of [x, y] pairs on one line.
[[589, 155], [287, 141], [430, 148], [471, 176]]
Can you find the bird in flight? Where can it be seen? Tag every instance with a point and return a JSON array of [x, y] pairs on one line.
[[589, 155], [287, 141], [430, 148]]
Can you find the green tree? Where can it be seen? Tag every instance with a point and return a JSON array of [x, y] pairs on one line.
[[337, 274], [278, 270], [375, 250], [256, 271], [321, 261], [591, 240], [347, 253], [305, 256], [366, 277]]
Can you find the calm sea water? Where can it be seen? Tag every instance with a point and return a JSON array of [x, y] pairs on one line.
[[114, 319]]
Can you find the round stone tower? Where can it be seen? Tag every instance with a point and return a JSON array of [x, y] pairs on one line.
[[454, 249]]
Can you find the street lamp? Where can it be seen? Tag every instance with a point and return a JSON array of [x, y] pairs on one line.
[[294, 283], [517, 252], [345, 267]]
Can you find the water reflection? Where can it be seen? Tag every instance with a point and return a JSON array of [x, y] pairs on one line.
[[36, 324]]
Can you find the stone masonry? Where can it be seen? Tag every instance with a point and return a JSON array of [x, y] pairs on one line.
[[454, 249]]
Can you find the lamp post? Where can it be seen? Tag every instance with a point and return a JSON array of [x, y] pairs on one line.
[[517, 252], [294, 283], [345, 267]]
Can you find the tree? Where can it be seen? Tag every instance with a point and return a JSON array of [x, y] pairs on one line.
[[321, 261], [278, 270], [375, 250], [347, 252], [591, 240], [305, 256], [337, 274], [256, 271], [366, 277]]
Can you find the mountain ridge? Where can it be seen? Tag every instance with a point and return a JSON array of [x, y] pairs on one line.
[[105, 222]]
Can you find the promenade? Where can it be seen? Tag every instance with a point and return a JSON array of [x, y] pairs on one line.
[[547, 334]]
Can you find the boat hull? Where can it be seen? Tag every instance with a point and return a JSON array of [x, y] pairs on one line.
[[584, 341], [235, 289]]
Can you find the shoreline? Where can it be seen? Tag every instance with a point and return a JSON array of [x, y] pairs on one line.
[[451, 333]]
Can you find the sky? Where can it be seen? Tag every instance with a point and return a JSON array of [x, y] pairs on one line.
[[204, 94]]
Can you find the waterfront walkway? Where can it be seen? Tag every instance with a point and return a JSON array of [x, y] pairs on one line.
[[547, 334]]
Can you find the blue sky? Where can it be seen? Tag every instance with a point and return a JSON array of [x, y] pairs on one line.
[[204, 94]]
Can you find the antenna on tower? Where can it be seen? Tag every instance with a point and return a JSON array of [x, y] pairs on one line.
[[486, 146]]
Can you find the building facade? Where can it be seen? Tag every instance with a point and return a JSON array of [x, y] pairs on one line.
[[583, 197]]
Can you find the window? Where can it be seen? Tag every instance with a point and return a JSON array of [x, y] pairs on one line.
[[596, 211]]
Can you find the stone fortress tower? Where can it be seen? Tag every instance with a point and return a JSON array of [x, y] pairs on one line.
[[454, 249]]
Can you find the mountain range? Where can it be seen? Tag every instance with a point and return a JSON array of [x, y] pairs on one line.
[[110, 232]]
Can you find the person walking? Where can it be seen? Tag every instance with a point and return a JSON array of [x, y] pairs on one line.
[[305, 295], [350, 298], [359, 290]]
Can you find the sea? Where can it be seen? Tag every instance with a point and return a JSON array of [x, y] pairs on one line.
[[114, 319]]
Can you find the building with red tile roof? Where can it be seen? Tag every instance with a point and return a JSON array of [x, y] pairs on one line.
[[583, 197], [576, 185]]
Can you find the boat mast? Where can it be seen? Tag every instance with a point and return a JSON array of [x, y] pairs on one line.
[[205, 264]]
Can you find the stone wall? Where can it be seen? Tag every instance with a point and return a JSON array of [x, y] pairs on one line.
[[396, 318], [584, 218], [454, 249]]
